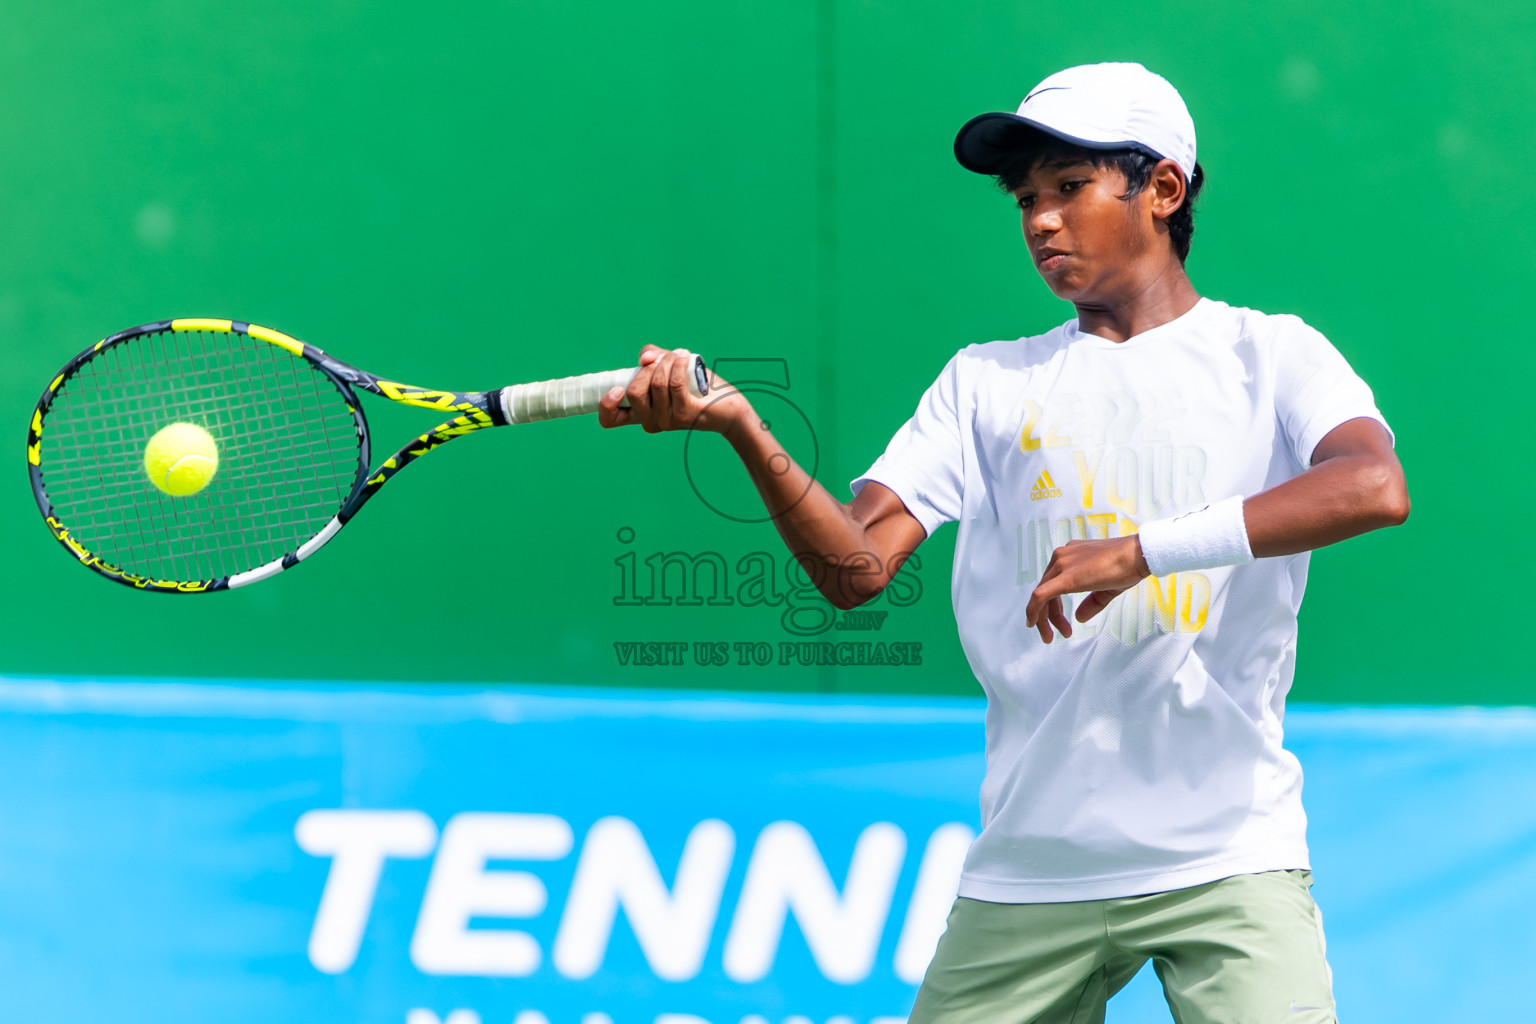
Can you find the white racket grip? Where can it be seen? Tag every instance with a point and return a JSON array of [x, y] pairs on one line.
[[578, 396]]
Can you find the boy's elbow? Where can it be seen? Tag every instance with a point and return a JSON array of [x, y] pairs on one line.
[[847, 590], [846, 600], [1391, 488], [1398, 511]]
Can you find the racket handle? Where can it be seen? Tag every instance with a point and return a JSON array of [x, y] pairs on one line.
[[578, 396]]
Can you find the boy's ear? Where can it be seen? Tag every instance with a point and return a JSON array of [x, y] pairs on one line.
[[1168, 189]]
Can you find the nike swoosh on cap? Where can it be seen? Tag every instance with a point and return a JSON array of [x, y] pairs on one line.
[[1037, 92]]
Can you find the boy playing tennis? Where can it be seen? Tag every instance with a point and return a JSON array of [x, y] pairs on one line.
[[1137, 491]]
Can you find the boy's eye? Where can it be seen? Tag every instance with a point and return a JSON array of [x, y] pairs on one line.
[[1072, 186], [1025, 202]]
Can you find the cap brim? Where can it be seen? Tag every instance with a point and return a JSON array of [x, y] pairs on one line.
[[986, 140]]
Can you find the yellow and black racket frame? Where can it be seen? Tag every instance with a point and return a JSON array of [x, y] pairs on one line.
[[472, 411]]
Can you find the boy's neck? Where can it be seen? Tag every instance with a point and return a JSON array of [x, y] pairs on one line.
[[1165, 296]]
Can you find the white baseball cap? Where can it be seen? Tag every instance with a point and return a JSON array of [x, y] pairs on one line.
[[1096, 106]]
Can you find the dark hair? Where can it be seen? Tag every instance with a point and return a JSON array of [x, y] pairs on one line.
[[1134, 164]]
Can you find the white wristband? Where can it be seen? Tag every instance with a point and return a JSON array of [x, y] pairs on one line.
[[1203, 539]]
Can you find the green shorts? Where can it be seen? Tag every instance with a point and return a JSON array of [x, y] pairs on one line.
[[1243, 950]]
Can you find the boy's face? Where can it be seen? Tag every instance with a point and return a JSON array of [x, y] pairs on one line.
[[1087, 243]]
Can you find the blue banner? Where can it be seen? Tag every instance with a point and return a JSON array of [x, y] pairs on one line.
[[185, 852]]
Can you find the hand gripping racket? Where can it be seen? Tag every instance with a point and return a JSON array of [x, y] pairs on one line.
[[292, 448]]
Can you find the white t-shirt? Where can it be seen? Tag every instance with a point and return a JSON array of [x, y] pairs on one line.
[[1144, 753]]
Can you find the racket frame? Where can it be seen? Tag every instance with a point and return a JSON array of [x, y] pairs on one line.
[[471, 411]]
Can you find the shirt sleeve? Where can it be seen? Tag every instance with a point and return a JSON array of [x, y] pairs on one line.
[[1315, 389], [924, 463]]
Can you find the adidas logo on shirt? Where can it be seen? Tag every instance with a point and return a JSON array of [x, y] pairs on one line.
[[1045, 487]]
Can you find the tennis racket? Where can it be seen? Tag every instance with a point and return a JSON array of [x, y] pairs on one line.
[[293, 462]]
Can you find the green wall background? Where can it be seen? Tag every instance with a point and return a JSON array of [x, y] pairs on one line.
[[466, 195]]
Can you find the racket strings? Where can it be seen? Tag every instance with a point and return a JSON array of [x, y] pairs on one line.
[[287, 445], [131, 484]]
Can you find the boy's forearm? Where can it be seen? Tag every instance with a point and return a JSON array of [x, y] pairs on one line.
[[810, 520], [838, 546], [1334, 500]]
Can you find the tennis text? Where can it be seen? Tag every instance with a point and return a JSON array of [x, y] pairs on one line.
[[462, 1016], [486, 877]]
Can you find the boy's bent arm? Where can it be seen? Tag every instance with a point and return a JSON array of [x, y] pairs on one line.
[[850, 552], [1355, 485]]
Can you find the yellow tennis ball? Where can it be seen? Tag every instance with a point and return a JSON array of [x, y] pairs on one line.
[[181, 458]]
